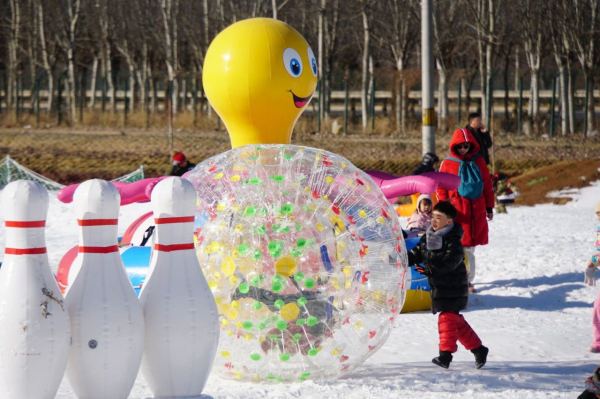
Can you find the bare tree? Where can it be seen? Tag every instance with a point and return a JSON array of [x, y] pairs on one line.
[[14, 36], [67, 38], [583, 36], [557, 18]]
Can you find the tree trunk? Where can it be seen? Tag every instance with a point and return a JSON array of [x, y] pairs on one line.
[[534, 99], [93, 83], [564, 108], [131, 87], [442, 96], [570, 98], [517, 68], [482, 67], [13, 52], [71, 86], [590, 109], [399, 102], [365, 70], [45, 57], [108, 74], [321, 60]]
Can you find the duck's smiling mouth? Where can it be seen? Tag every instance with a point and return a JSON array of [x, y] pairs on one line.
[[300, 102]]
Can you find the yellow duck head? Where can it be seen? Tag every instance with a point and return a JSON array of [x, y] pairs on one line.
[[259, 75]]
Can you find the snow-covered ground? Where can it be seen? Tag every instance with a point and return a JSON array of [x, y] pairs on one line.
[[532, 311]]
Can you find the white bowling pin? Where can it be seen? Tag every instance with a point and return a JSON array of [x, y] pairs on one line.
[[107, 321], [182, 325], [34, 325]]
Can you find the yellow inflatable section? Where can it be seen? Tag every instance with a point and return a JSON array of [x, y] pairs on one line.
[[259, 75]]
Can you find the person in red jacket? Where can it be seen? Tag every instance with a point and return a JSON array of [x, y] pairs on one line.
[[472, 214]]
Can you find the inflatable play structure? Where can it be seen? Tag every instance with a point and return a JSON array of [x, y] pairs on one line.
[[302, 251]]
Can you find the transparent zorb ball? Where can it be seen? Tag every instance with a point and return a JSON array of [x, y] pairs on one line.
[[305, 259]]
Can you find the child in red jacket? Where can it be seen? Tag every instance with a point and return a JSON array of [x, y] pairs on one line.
[[472, 213]]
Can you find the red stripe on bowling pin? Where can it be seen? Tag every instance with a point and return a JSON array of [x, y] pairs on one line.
[[183, 219], [25, 251], [25, 225], [173, 247], [97, 222], [99, 250]]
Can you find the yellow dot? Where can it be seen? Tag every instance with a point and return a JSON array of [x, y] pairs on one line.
[[362, 214], [235, 178], [233, 280], [367, 251], [358, 325], [343, 165], [326, 197], [231, 313], [285, 266], [347, 271], [221, 206], [212, 285], [329, 179], [337, 222], [237, 375], [239, 228], [218, 176], [248, 337], [307, 189], [224, 322], [335, 352], [235, 304], [335, 283], [217, 275], [239, 324], [368, 187], [380, 220], [290, 311], [229, 333], [348, 284], [319, 226], [225, 354], [228, 266], [215, 246]]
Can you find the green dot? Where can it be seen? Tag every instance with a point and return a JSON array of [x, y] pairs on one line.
[[301, 301], [288, 156], [243, 249], [248, 325], [254, 281], [295, 252], [244, 288], [257, 305], [284, 357], [255, 181], [250, 211], [274, 337], [299, 277], [279, 278], [270, 377], [277, 178], [285, 230], [281, 325], [304, 375], [276, 286], [313, 352], [255, 357], [260, 230], [309, 283], [276, 254], [297, 336], [311, 241], [261, 326], [256, 254], [300, 322], [312, 320], [273, 246], [288, 208], [298, 226], [301, 243], [279, 303]]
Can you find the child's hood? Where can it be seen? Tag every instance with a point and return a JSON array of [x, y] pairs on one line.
[[463, 136], [421, 198]]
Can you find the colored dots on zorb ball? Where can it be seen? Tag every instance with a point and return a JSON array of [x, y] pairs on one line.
[[305, 259]]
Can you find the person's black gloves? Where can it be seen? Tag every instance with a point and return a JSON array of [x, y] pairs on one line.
[[424, 270]]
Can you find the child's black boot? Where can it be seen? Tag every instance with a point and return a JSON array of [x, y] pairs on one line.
[[443, 360], [480, 356]]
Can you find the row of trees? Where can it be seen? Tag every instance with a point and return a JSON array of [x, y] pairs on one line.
[[474, 41]]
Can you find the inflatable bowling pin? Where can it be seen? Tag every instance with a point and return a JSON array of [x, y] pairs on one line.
[[34, 324], [182, 325], [107, 321]]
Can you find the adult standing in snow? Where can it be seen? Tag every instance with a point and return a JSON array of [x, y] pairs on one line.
[[180, 164], [473, 208], [481, 135]]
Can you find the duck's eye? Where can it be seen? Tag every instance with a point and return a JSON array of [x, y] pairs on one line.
[[292, 62], [313, 61]]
